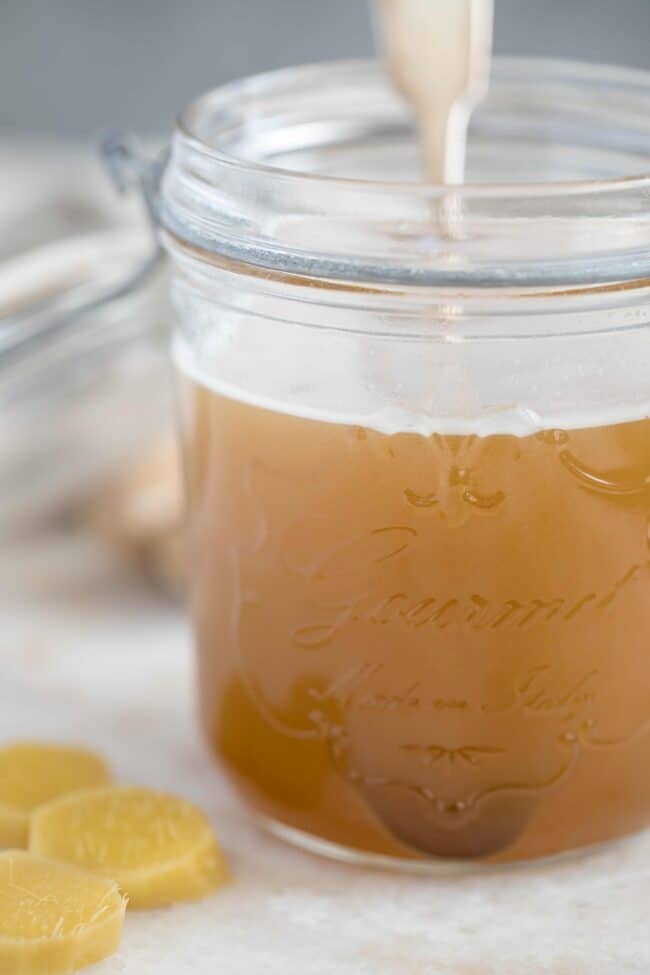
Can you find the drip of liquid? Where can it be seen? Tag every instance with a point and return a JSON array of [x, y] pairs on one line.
[[439, 56]]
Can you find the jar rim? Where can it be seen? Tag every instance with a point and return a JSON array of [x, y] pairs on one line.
[[607, 75], [219, 197]]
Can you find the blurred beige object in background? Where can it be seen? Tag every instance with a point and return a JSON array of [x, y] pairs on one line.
[[140, 510], [58, 189], [85, 417]]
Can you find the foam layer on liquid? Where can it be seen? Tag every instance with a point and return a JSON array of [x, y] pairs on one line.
[[484, 388]]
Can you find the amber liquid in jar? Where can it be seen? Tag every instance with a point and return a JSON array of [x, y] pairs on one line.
[[424, 645]]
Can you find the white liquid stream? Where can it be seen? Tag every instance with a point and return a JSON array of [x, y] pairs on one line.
[[439, 56]]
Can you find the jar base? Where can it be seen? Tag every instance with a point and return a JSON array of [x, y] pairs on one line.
[[433, 867]]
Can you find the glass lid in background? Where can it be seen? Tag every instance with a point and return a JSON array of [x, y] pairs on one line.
[[83, 382]]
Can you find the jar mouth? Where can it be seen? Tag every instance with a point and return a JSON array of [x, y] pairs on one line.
[[314, 171]]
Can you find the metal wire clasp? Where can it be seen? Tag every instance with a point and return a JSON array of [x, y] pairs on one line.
[[128, 168]]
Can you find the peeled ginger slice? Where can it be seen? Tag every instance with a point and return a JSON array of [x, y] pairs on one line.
[[54, 919], [157, 848], [32, 774]]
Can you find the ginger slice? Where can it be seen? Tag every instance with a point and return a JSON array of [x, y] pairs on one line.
[[54, 919], [159, 849], [31, 774]]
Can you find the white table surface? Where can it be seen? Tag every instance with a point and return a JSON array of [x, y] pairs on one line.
[[90, 655]]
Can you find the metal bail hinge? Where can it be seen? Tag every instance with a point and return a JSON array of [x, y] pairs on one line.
[[129, 169]]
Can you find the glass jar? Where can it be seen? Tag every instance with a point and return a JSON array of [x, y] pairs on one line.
[[417, 443]]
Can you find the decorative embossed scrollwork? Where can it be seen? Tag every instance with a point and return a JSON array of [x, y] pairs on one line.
[[456, 466], [454, 810], [469, 754], [452, 475]]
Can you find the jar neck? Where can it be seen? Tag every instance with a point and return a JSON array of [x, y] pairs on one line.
[[413, 312]]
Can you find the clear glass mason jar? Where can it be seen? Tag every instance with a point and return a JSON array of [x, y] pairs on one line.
[[417, 444]]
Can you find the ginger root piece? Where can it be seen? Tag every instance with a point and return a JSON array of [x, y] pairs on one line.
[[54, 919], [159, 849], [31, 774]]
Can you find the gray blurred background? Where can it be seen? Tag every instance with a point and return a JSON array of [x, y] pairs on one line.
[[72, 67]]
